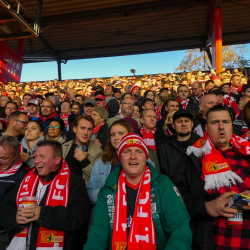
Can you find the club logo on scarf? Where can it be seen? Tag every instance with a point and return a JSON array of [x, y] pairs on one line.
[[200, 143], [214, 167], [49, 237], [121, 246], [133, 141]]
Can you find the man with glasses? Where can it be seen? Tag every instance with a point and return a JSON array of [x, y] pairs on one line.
[[47, 114], [10, 171], [17, 122], [197, 91], [127, 107]]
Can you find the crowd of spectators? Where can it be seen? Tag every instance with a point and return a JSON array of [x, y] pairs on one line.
[[145, 162]]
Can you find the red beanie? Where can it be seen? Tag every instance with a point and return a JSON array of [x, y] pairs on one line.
[[131, 90], [132, 140]]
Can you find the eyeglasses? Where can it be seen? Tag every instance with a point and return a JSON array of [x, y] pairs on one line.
[[23, 122], [65, 106], [128, 103], [54, 127], [46, 106]]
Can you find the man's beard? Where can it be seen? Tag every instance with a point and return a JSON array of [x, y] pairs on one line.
[[136, 95], [183, 134], [127, 113]]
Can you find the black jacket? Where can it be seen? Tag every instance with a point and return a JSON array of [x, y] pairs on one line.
[[192, 106], [199, 125], [170, 154], [71, 120], [70, 219], [103, 135], [8, 183], [159, 137], [187, 178]]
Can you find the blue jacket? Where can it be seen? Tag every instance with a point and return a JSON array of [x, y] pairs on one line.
[[99, 173]]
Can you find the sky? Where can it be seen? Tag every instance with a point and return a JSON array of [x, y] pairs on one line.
[[153, 63]]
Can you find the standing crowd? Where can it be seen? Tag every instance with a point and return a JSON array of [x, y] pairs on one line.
[[126, 163]]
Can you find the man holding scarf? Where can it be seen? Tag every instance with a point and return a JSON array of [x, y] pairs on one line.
[[62, 204], [207, 184], [138, 208]]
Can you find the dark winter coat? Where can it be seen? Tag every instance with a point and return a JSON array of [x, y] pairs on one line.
[[70, 219]]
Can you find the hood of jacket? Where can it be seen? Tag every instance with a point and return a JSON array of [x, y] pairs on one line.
[[54, 115], [24, 144]]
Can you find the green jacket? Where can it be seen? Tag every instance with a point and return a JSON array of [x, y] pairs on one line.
[[170, 217]]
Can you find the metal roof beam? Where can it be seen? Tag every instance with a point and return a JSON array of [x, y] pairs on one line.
[[18, 17], [12, 36], [48, 46], [8, 20], [31, 45], [126, 10]]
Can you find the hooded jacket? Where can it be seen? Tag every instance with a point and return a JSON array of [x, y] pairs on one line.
[[25, 148]]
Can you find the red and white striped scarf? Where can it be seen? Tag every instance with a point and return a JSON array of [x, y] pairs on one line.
[[96, 130], [65, 117], [142, 231], [12, 170], [148, 138], [235, 91], [169, 132], [183, 103], [58, 195], [199, 98], [158, 112]]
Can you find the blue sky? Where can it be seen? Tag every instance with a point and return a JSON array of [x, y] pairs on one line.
[[152, 63]]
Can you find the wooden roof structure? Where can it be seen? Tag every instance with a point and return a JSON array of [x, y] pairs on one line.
[[77, 29]]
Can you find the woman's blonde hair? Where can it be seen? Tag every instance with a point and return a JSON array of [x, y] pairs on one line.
[[161, 98], [167, 121]]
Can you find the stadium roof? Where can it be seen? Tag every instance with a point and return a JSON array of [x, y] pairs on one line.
[[78, 29]]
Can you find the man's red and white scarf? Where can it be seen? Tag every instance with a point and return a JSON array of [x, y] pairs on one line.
[[58, 195], [96, 130], [230, 101], [183, 103], [65, 118], [21, 109], [199, 98], [148, 138], [142, 231], [168, 132], [12, 170], [235, 91], [158, 112], [215, 167]]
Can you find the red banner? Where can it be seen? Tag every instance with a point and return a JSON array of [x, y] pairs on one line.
[[10, 64]]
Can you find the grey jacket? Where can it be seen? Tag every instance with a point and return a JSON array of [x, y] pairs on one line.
[[25, 148]]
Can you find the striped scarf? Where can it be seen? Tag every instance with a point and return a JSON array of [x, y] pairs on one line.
[[183, 103], [148, 138]]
